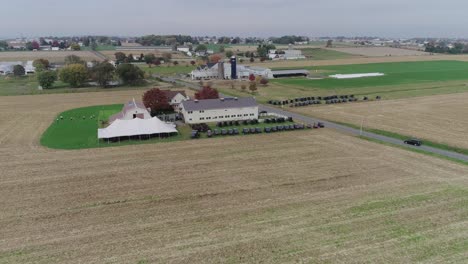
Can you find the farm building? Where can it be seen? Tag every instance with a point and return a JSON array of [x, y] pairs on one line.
[[131, 110], [223, 70], [289, 54], [7, 67], [175, 97], [223, 109]]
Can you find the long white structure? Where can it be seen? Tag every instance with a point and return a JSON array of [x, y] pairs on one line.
[[215, 110], [136, 127], [356, 75]]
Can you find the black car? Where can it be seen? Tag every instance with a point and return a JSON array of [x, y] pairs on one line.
[[414, 142]]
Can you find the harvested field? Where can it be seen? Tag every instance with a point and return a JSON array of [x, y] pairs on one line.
[[52, 56], [380, 51], [110, 54], [322, 197], [441, 118]]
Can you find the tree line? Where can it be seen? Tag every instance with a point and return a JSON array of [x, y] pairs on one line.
[[168, 40], [458, 48], [77, 74]]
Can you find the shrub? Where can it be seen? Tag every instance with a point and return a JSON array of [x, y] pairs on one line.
[[46, 78], [18, 70]]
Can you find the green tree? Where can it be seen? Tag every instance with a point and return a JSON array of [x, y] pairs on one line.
[[201, 47], [3, 45], [75, 46], [130, 74], [73, 59], [41, 64], [222, 49], [94, 45], [46, 78], [253, 87], [18, 70], [120, 56], [229, 53], [149, 58], [102, 73], [74, 74]]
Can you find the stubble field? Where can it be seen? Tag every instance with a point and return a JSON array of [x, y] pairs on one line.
[[318, 197], [441, 118], [52, 56], [380, 51]]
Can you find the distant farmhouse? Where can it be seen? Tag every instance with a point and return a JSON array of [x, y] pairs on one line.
[[223, 109], [289, 54], [175, 97]]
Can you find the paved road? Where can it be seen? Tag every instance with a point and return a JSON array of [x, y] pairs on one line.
[[100, 55], [342, 128]]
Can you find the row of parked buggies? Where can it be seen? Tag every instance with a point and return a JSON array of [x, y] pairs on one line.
[[256, 130]]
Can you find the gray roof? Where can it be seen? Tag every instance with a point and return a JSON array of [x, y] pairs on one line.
[[280, 72], [226, 103]]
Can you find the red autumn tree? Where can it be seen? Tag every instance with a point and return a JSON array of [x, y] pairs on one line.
[[264, 81], [207, 93], [35, 45], [192, 63], [215, 58], [156, 100], [251, 77]]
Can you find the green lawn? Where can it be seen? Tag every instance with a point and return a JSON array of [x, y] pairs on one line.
[[325, 54], [398, 73], [167, 70], [81, 133], [78, 129]]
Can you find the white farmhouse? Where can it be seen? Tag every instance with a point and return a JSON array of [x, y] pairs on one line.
[[175, 97], [215, 110], [131, 110]]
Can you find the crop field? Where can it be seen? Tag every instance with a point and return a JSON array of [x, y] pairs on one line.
[[356, 60], [402, 79], [168, 69], [325, 54], [380, 51], [441, 118], [321, 197], [52, 56], [400, 73]]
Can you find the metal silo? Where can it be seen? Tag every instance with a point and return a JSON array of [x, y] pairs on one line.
[[233, 68]]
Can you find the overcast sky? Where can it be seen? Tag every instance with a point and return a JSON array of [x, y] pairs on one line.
[[387, 18]]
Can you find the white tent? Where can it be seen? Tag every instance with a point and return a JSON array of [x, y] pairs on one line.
[[135, 127]]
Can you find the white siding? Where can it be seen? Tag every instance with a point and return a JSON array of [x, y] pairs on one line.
[[216, 115]]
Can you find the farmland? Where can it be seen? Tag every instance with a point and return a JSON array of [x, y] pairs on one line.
[[322, 197], [441, 119], [52, 56], [168, 70], [400, 73], [379, 51], [325, 54], [402, 80]]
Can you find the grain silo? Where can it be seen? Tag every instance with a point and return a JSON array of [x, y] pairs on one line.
[[221, 70], [233, 68]]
